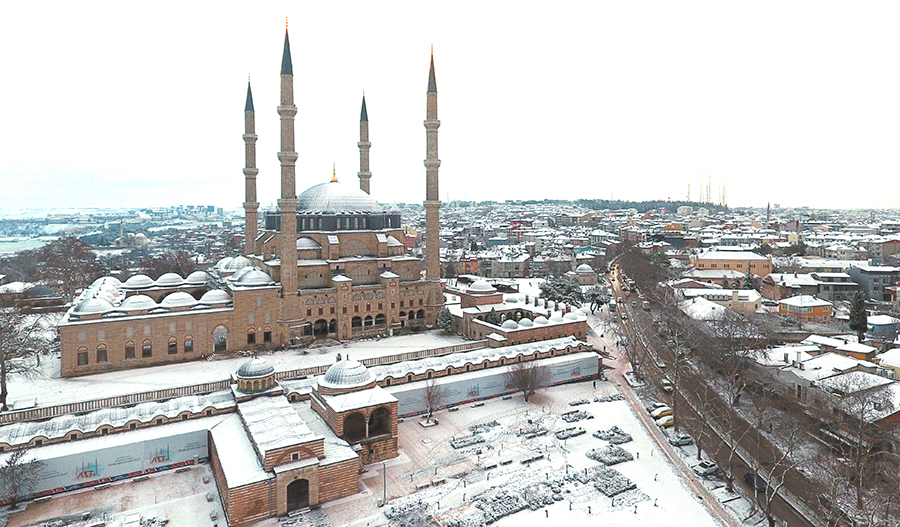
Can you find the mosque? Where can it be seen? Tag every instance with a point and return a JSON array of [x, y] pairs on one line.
[[328, 263]]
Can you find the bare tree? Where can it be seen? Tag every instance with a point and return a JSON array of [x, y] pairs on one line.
[[22, 337], [528, 377], [19, 476], [434, 397]]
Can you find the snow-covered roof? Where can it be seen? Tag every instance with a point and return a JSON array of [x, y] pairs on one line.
[[273, 424], [785, 355], [730, 255], [804, 301], [58, 427], [359, 399], [852, 382], [826, 365], [239, 461]]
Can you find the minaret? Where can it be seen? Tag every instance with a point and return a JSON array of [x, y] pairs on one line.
[[432, 203], [364, 144], [250, 171], [288, 158]]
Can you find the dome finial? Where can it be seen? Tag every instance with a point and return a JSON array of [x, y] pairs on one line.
[[333, 173], [285, 22]]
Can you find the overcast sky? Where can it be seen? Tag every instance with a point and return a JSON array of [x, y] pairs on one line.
[[141, 103]]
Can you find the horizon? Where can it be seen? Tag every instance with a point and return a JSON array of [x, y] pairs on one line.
[[582, 99]]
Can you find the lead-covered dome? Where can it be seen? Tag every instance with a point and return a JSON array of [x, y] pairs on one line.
[[178, 299], [215, 296], [481, 286], [137, 303], [254, 278], [346, 374], [236, 263], [255, 368], [509, 324], [197, 278], [170, 280], [138, 281], [337, 198], [93, 306], [584, 268]]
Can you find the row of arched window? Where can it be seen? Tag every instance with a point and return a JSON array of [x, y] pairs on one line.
[[101, 355]]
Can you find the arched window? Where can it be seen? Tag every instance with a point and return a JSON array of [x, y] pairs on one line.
[[420, 314], [147, 349], [409, 378], [368, 321], [129, 350], [188, 344], [251, 336], [380, 320], [82, 356], [356, 322], [173, 346], [101, 354]]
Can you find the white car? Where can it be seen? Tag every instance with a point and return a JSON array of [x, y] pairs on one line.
[[705, 468]]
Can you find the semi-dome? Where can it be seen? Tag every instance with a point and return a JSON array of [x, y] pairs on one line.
[[93, 306], [178, 299], [170, 280], [215, 296], [584, 268], [137, 303], [336, 197], [526, 323], [138, 281], [509, 324], [481, 286], [346, 374], [196, 278], [238, 262], [255, 368], [254, 278], [540, 319], [307, 243]]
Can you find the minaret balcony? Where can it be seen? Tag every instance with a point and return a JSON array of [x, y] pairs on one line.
[[432, 163], [287, 111], [287, 158], [251, 172], [249, 138]]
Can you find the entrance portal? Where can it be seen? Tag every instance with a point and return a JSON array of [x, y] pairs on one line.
[[298, 495]]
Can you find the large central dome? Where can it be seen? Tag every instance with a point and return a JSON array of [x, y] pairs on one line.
[[337, 198]]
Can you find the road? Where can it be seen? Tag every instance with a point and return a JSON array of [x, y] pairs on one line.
[[750, 442]]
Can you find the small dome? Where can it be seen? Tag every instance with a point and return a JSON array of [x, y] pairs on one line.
[[139, 281], [141, 239], [346, 374], [255, 368], [307, 243], [481, 286], [541, 319], [570, 316], [196, 278], [526, 323], [236, 263], [215, 296], [509, 324], [178, 299], [107, 280], [556, 317], [237, 276], [584, 268], [93, 306], [223, 262], [137, 303], [169, 280], [254, 278]]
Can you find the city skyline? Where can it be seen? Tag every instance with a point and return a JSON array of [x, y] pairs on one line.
[[126, 106]]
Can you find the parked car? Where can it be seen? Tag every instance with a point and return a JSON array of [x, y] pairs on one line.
[[680, 440], [654, 406], [661, 412], [624, 316], [659, 363], [705, 468], [667, 384], [665, 422], [755, 482]]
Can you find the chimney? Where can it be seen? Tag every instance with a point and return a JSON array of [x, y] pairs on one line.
[[785, 358], [800, 364], [734, 296]]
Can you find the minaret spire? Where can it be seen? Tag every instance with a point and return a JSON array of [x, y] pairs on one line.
[[364, 144], [251, 217], [432, 203], [288, 158]]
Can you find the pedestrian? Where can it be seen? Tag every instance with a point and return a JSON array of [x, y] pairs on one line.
[[595, 385]]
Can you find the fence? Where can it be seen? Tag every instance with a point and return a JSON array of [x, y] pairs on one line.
[[46, 412], [80, 407]]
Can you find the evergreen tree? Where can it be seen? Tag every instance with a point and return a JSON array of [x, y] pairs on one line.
[[444, 319], [492, 317], [859, 320], [562, 290]]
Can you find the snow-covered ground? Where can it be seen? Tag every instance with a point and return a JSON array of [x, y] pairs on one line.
[[47, 388]]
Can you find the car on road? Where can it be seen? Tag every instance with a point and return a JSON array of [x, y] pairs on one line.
[[662, 411], [705, 468], [654, 406], [665, 422], [624, 316], [755, 482], [667, 384], [680, 440]]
